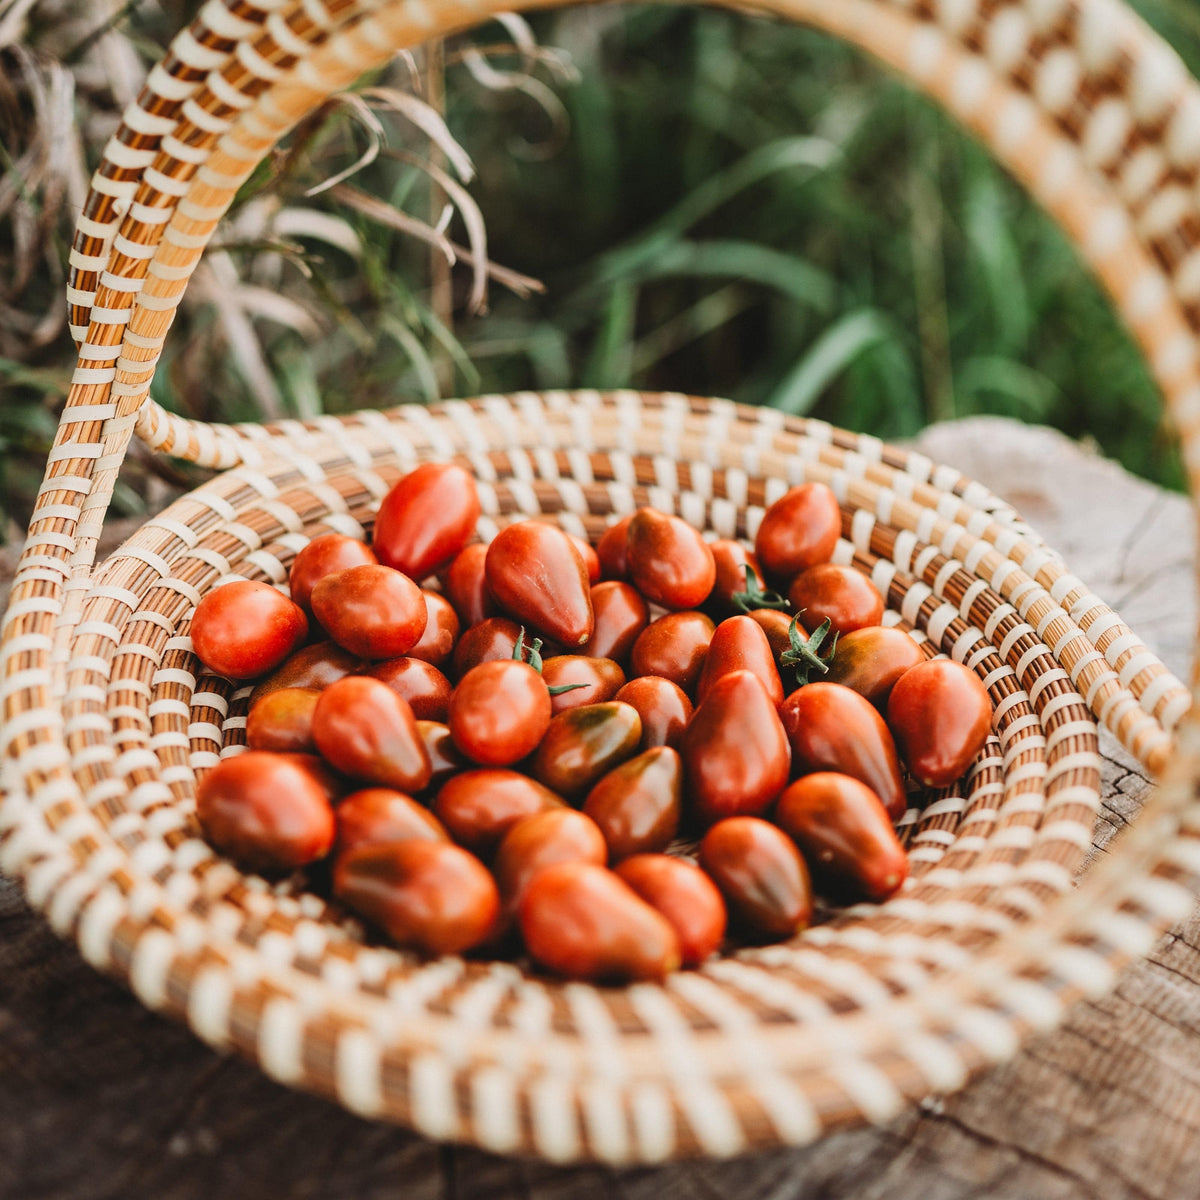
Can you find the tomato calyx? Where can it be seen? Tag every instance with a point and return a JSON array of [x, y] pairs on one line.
[[804, 654], [531, 654], [756, 596]]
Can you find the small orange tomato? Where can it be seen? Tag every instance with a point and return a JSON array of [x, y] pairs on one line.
[[739, 644], [620, 614], [669, 562], [315, 666], [376, 815], [601, 679], [282, 721], [425, 688], [325, 555], [843, 596], [426, 519], [466, 586], [479, 807], [442, 628], [663, 706], [674, 647], [540, 840], [371, 610], [246, 628], [685, 896], [798, 531], [499, 712], [612, 550]]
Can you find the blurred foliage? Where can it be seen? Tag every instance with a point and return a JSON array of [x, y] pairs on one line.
[[715, 203]]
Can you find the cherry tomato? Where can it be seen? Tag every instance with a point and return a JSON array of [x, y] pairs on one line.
[[734, 749], [832, 728], [775, 625], [426, 519], [282, 721], [315, 666], [325, 555], [845, 835], [376, 815], [845, 596], [663, 706], [940, 713], [669, 562], [266, 811], [492, 640], [674, 647], [430, 895], [332, 783], [612, 549], [246, 628], [538, 841], [637, 804], [591, 560], [620, 614], [871, 660], [583, 744], [537, 577], [684, 896], [425, 688], [441, 631], [761, 875], [480, 807], [499, 712], [602, 679], [368, 732], [739, 644], [798, 531], [443, 754], [466, 586], [731, 560], [372, 610], [582, 921]]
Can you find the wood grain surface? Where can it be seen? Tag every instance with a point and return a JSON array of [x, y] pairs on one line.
[[100, 1098]]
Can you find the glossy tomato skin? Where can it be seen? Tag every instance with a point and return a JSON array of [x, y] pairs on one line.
[[684, 896], [426, 519], [761, 875], [282, 721], [731, 559], [798, 531], [844, 596], [465, 585], [539, 579], [246, 628], [602, 679], [315, 666], [332, 783], [776, 626], [480, 806], [663, 706], [675, 647], [941, 716], [442, 627], [266, 811], [425, 688], [620, 614], [538, 841], [499, 712], [492, 640], [668, 561], [832, 728], [430, 895], [368, 732], [637, 804], [870, 661], [444, 758], [581, 921], [735, 752], [372, 610], [739, 644], [612, 550], [845, 835], [376, 815], [591, 560], [583, 744], [325, 555]]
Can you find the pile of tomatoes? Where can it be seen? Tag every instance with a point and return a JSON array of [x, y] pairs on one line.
[[503, 757]]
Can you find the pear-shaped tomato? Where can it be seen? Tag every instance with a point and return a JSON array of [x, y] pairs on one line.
[[663, 706], [444, 756], [499, 712], [583, 744], [315, 666], [845, 835], [538, 578], [540, 840], [940, 714], [372, 610], [637, 804], [620, 614], [777, 626], [425, 688], [674, 647], [739, 644], [832, 728], [798, 531], [465, 584], [591, 560], [325, 555], [685, 896], [442, 628], [601, 679], [376, 815], [735, 751], [731, 560], [282, 721], [612, 550], [843, 596], [871, 661], [493, 640], [246, 628], [480, 807], [669, 562], [426, 519]]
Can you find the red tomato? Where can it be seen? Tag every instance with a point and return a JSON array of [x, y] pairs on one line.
[[684, 896], [663, 706], [775, 625], [371, 610], [282, 721], [739, 644], [315, 666], [674, 647], [731, 560], [591, 560], [734, 750], [493, 640], [582, 744], [940, 713], [245, 629], [266, 811], [368, 732], [426, 519], [601, 678], [480, 807], [845, 835], [376, 815], [537, 577], [443, 754], [669, 562], [499, 712], [620, 614], [832, 728], [441, 631], [611, 550], [845, 596], [425, 688], [325, 555], [466, 586], [538, 841], [637, 804], [798, 531], [871, 660]]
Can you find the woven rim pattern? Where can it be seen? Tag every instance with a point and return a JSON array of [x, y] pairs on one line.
[[107, 721]]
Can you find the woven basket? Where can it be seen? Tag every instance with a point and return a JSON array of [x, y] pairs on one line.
[[108, 719]]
